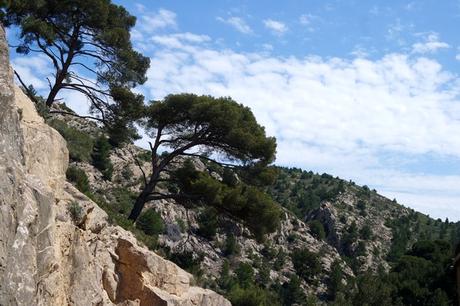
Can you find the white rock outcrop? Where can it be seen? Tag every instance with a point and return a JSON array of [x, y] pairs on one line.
[[46, 258]]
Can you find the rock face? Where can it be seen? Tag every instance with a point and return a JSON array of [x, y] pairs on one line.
[[56, 246]]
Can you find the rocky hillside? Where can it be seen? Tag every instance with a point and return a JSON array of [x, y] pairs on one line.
[[56, 245], [330, 226], [74, 236]]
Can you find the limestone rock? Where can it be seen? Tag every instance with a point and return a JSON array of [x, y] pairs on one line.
[[46, 256]]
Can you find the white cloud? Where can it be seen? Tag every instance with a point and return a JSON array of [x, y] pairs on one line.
[[307, 19], [329, 115], [332, 115], [397, 31], [238, 23], [277, 27], [177, 40], [430, 45], [162, 19], [27, 68]]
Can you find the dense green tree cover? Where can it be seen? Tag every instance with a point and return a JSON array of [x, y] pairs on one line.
[[88, 44], [214, 129], [301, 191], [422, 276]]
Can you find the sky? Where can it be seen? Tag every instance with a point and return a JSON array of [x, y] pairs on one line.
[[364, 90]]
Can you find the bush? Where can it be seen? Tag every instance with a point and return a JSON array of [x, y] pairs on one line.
[[75, 211], [79, 178], [122, 200], [245, 275], [366, 232], [361, 205], [145, 156], [186, 260], [231, 246], [101, 157], [291, 292], [150, 222], [79, 144], [306, 263], [253, 296], [127, 174], [207, 223], [279, 260], [317, 229]]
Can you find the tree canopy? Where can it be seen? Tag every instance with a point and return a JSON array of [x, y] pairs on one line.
[[219, 131], [87, 42]]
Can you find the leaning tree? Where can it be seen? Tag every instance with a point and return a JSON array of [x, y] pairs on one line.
[[220, 131], [87, 43]]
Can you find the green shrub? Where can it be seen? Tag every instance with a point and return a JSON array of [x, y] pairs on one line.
[[75, 211], [361, 205], [145, 156], [186, 260], [150, 222], [253, 296], [101, 157], [231, 246], [225, 281], [122, 200], [349, 237], [245, 275], [181, 223], [127, 174], [291, 292], [79, 178], [207, 223], [335, 279], [306, 263], [317, 229], [366, 232], [79, 144], [279, 260]]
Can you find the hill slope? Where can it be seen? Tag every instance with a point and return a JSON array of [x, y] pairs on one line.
[[330, 226]]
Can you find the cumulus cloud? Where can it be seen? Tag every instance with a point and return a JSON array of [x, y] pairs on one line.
[[177, 40], [27, 68], [430, 45], [277, 27], [347, 117], [158, 20], [238, 23], [331, 115]]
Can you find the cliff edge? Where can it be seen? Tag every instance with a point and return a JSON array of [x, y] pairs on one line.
[[51, 256]]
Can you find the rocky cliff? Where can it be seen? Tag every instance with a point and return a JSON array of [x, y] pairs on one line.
[[56, 246]]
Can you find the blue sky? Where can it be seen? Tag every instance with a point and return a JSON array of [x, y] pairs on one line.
[[366, 90]]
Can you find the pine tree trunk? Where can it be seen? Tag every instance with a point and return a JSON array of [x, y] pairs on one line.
[[138, 206], [143, 197]]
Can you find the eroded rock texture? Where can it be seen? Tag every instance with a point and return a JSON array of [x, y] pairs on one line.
[[49, 258]]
